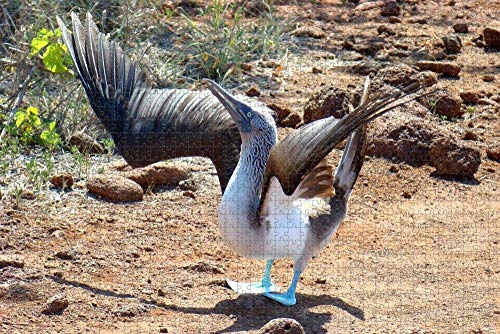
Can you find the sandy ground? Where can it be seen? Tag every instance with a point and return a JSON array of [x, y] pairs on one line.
[[423, 264]]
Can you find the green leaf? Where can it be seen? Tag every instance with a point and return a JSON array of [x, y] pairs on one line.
[[54, 57], [20, 117], [32, 110], [41, 40]]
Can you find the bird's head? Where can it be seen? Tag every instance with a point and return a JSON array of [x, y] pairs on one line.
[[252, 122]]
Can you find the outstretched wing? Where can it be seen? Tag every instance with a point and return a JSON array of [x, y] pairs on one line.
[[147, 124], [292, 159]]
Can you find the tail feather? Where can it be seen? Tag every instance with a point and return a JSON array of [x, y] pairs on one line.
[[352, 159]]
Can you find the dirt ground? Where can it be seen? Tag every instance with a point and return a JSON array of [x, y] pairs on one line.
[[417, 253]]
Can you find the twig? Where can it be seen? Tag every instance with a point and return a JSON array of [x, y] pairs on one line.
[[63, 116], [8, 16], [18, 101]]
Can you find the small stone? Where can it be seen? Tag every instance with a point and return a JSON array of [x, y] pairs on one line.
[[161, 293], [189, 194], [438, 55], [452, 43], [206, 267], [487, 102], [488, 78], [394, 19], [403, 136], [469, 135], [129, 310], [351, 56], [461, 27], [320, 281], [62, 180], [86, 144], [291, 121], [383, 29], [269, 64], [366, 67], [309, 31], [446, 68], [253, 92], [417, 19], [446, 104], [11, 261], [393, 169], [55, 305], [493, 152], [452, 158], [165, 173], [390, 8], [59, 234], [406, 195], [330, 101], [400, 75], [282, 326], [246, 67], [28, 194], [470, 97], [492, 37], [317, 70], [163, 330], [365, 46], [115, 188], [281, 112], [68, 255], [188, 185]]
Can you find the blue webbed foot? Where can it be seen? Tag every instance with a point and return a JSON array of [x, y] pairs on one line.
[[257, 287], [286, 298]]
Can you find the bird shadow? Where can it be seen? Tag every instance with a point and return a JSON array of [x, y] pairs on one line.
[[249, 312]]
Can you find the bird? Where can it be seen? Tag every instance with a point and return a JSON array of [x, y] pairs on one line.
[[282, 200], [150, 124]]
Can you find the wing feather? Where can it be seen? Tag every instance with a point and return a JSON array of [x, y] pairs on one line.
[[300, 151], [148, 124]]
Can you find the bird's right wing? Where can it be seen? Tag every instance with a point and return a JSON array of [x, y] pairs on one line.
[[147, 124]]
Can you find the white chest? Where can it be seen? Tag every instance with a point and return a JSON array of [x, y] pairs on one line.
[[281, 234]]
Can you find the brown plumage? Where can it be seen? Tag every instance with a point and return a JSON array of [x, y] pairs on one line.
[[292, 159]]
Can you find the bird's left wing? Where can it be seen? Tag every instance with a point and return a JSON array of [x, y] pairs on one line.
[[297, 154]]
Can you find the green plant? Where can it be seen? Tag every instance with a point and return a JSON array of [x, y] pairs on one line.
[[82, 161], [109, 145], [26, 123], [49, 137], [16, 193], [55, 54], [216, 46], [40, 169], [471, 109], [30, 129]]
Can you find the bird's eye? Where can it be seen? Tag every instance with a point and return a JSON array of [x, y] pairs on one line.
[[249, 114]]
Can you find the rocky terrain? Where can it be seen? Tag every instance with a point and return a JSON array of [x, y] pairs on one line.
[[138, 250]]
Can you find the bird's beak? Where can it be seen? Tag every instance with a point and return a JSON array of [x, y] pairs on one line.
[[240, 113]]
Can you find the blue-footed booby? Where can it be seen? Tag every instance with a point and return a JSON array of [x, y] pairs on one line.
[[271, 208], [149, 124]]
